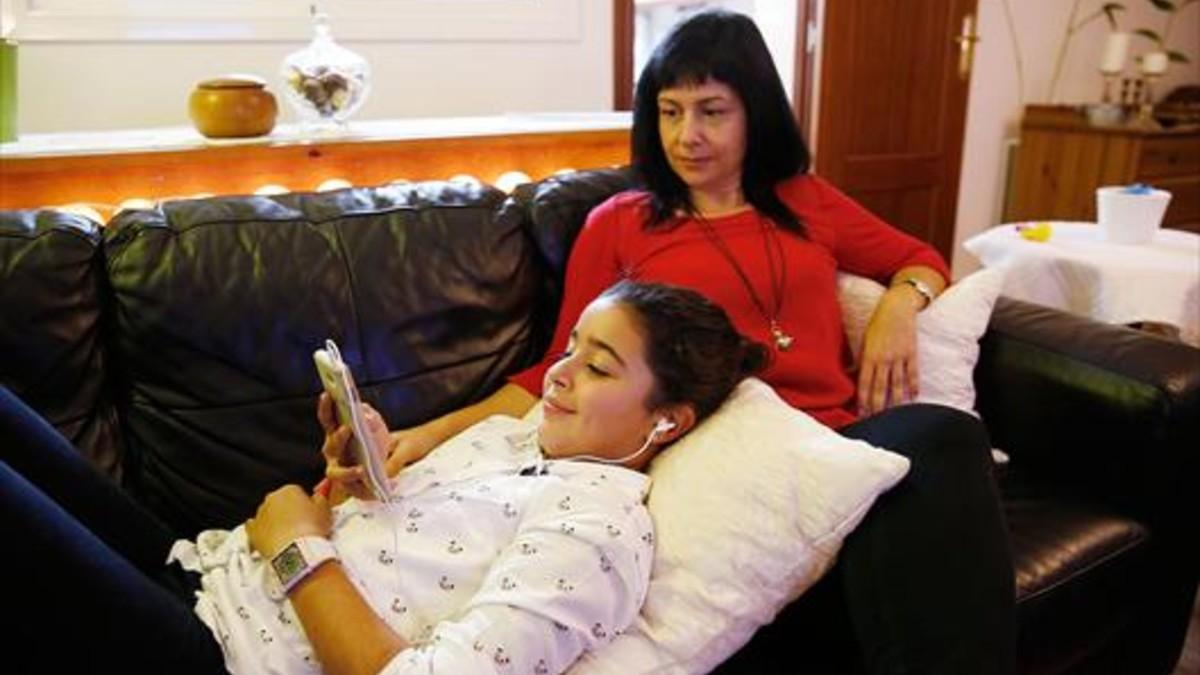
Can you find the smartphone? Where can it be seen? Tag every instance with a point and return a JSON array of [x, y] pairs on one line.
[[364, 451]]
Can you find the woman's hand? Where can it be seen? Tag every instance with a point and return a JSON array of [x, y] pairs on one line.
[[887, 373], [341, 467], [287, 514]]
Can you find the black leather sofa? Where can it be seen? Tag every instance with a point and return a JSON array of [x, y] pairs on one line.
[[173, 346]]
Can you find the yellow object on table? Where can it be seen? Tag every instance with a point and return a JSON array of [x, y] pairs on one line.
[[1039, 232]]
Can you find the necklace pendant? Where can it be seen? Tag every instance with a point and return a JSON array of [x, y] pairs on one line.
[[783, 341]]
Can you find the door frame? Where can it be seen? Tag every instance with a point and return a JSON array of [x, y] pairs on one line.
[[622, 54]]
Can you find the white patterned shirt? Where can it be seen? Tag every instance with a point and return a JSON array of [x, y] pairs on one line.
[[491, 560]]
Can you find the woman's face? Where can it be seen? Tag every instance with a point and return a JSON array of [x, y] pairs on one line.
[[703, 131], [594, 397]]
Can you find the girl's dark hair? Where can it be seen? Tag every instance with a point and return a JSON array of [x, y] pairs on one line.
[[729, 48], [695, 353]]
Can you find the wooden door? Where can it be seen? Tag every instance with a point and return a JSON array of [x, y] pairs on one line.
[[893, 100]]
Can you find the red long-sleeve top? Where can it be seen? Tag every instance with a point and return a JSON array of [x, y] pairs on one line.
[[813, 375]]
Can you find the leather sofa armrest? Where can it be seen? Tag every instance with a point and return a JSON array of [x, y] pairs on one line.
[[1105, 410]]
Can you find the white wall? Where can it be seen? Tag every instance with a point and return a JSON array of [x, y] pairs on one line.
[[75, 86], [994, 111]]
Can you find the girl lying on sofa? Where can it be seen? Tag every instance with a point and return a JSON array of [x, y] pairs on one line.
[[500, 553]]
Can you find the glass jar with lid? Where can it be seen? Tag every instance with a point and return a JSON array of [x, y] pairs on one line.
[[324, 82]]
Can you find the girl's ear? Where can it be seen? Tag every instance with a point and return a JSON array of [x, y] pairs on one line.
[[674, 421]]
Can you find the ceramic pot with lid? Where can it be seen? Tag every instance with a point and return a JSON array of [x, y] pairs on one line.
[[233, 106]]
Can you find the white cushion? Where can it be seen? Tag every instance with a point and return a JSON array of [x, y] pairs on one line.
[[948, 332], [750, 509]]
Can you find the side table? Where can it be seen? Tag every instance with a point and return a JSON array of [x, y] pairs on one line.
[[1078, 271]]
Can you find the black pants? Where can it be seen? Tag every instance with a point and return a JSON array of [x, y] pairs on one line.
[[88, 587], [925, 584]]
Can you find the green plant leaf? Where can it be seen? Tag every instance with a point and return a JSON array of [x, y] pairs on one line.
[[1177, 57], [1149, 35], [1164, 5]]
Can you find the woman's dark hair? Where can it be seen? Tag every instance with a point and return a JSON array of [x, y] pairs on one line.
[[726, 47], [695, 353]]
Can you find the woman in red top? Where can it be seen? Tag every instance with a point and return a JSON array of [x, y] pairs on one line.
[[729, 209], [731, 257]]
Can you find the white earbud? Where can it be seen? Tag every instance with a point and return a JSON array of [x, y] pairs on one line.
[[662, 426]]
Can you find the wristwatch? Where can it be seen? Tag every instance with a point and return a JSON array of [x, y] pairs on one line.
[[921, 288], [301, 558]]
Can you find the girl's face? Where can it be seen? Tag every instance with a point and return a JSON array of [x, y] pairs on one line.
[[703, 131], [594, 397]]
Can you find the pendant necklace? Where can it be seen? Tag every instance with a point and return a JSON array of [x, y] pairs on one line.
[[773, 249]]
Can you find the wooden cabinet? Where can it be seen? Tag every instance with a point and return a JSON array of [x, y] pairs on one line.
[[1061, 160]]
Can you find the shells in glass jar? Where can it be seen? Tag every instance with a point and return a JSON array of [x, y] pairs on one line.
[[325, 82]]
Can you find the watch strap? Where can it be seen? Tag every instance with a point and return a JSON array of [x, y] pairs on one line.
[[300, 558], [920, 287]]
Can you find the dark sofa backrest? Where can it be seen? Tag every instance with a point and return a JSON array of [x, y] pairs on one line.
[[552, 212], [556, 208], [194, 323], [429, 290], [51, 352]]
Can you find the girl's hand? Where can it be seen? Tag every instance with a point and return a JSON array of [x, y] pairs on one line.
[[408, 446], [287, 514], [887, 373], [341, 466]]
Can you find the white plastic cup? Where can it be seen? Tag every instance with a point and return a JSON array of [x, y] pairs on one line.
[[1130, 217]]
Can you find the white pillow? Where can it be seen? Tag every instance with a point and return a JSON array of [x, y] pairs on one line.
[[948, 332], [749, 509]]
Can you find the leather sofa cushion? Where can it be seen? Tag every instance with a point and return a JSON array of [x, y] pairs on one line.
[[51, 352], [1055, 543], [219, 304], [1073, 561]]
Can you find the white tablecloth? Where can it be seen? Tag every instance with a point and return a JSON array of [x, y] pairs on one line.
[[1078, 271]]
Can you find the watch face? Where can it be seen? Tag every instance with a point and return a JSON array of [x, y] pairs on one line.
[[289, 562]]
